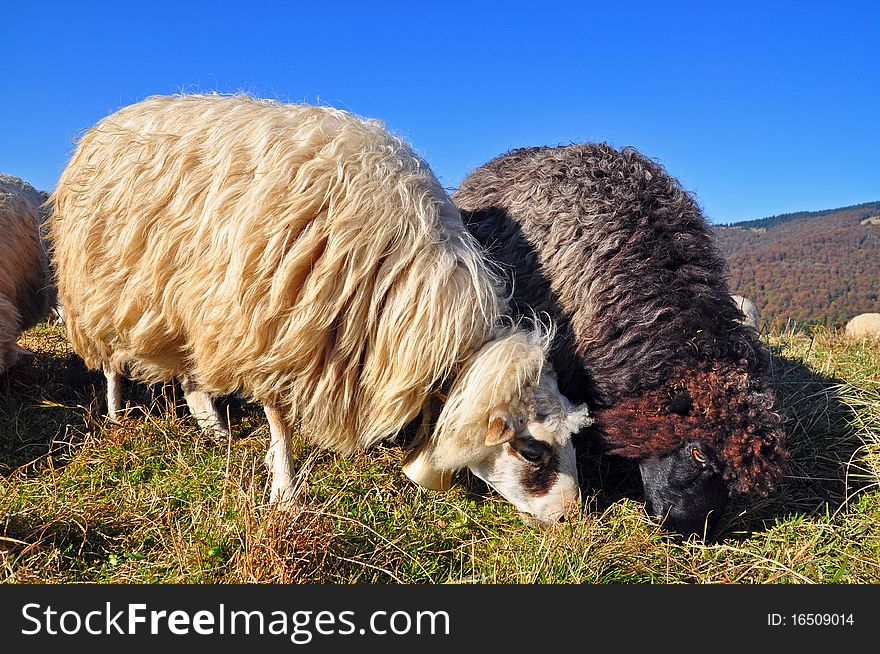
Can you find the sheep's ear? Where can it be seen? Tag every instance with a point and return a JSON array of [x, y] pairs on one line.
[[420, 467], [500, 426], [577, 418]]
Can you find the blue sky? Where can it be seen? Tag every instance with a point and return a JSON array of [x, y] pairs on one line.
[[758, 108]]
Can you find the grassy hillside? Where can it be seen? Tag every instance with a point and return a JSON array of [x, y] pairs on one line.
[[819, 267], [151, 500]]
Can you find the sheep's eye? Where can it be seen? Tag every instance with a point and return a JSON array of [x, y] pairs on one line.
[[531, 449], [698, 456]]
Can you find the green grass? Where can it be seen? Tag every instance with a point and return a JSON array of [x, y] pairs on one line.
[[151, 500]]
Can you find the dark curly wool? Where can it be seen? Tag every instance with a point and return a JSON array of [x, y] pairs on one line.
[[620, 256], [729, 409]]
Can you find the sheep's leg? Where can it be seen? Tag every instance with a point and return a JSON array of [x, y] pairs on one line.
[[279, 460], [114, 392], [202, 408], [10, 320]]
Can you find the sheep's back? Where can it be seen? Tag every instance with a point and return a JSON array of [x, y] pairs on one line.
[[297, 254], [864, 325], [612, 247]]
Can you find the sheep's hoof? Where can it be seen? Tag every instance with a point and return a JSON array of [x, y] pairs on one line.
[[217, 435], [117, 419], [287, 498]]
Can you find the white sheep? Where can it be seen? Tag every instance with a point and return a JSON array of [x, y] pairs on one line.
[[748, 309], [26, 291], [307, 259], [864, 326]]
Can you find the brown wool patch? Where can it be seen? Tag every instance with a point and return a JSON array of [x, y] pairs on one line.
[[538, 481], [732, 411]]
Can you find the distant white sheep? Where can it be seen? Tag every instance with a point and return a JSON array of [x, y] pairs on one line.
[[749, 310], [864, 325], [26, 292], [308, 259]]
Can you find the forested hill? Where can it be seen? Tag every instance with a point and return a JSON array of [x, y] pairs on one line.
[[860, 211], [816, 267]]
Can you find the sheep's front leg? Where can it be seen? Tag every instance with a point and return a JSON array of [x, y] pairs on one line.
[[202, 408], [114, 392], [278, 459]]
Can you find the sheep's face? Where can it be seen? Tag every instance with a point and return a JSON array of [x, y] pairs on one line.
[[711, 433], [684, 489], [507, 422], [529, 457]]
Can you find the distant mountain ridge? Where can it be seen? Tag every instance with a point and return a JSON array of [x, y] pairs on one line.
[[807, 267], [870, 208]]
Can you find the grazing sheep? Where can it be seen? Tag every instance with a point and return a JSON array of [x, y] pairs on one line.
[[26, 291], [864, 325], [621, 258], [309, 260], [750, 313]]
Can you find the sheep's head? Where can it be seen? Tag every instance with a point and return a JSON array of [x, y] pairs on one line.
[[709, 434], [506, 420]]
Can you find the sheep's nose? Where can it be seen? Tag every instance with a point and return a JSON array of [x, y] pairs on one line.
[[561, 519]]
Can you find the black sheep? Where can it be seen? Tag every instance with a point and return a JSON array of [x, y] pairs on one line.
[[620, 256]]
